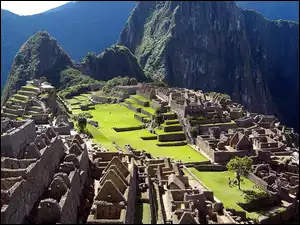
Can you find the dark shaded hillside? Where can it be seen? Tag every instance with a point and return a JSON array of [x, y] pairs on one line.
[[273, 10], [217, 46], [42, 56], [81, 27]]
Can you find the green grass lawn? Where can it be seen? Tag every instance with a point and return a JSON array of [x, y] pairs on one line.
[[218, 183], [141, 98], [142, 215], [115, 115], [146, 214]]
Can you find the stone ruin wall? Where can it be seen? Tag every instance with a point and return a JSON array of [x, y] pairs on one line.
[[130, 210], [12, 143], [4, 123], [41, 119], [162, 95], [217, 156], [223, 127], [63, 130], [130, 89], [37, 176], [178, 108], [71, 200]]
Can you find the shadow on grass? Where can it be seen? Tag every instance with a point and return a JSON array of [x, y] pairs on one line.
[[258, 201]]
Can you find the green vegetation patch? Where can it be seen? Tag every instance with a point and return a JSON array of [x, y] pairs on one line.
[[230, 196], [116, 115], [141, 98]]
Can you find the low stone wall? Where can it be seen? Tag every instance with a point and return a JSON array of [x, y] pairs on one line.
[[259, 182], [135, 109], [172, 128], [41, 119], [170, 116], [171, 122], [65, 130], [123, 129], [146, 113], [181, 143], [171, 137], [149, 138], [211, 167], [223, 127], [193, 164], [141, 118], [222, 157], [208, 121], [142, 103]]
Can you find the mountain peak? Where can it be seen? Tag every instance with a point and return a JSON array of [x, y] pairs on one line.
[[217, 46], [39, 56]]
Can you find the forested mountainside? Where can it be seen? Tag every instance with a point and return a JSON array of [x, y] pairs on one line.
[[85, 26], [80, 27], [42, 56], [274, 10], [217, 46]]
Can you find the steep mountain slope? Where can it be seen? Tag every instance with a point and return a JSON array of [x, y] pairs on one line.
[[80, 27], [41, 56], [118, 60], [274, 10], [216, 46]]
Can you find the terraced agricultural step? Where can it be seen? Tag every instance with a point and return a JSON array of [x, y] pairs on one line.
[[26, 93], [11, 116], [172, 122], [9, 110], [29, 88], [35, 108], [32, 112], [172, 128], [176, 136], [21, 97], [169, 116], [11, 106], [171, 143], [140, 102], [20, 102]]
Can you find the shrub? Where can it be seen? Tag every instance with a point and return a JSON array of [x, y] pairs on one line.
[[116, 81], [86, 115]]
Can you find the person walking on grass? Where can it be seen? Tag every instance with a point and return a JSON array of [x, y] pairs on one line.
[[229, 182]]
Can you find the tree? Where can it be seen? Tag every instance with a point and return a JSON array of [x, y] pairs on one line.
[[241, 167], [158, 117], [82, 124], [194, 132]]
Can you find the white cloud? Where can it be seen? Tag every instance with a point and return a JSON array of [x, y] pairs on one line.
[[30, 7]]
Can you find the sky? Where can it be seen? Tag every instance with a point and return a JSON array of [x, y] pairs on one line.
[[25, 8]]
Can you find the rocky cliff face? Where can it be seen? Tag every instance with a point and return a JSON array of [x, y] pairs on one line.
[[41, 56], [216, 46]]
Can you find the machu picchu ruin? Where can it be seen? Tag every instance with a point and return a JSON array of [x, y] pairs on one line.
[[143, 158], [150, 112]]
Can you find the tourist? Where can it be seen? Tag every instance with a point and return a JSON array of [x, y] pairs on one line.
[[229, 182]]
